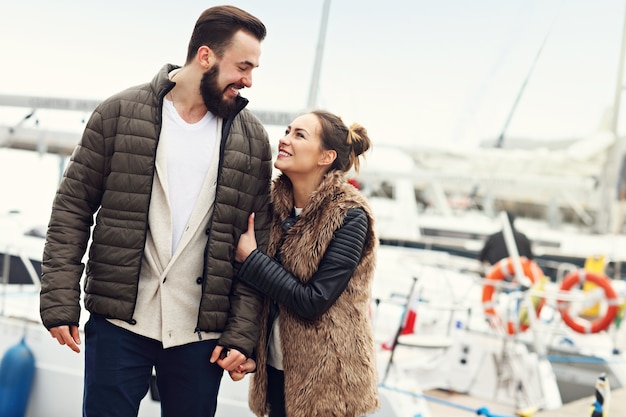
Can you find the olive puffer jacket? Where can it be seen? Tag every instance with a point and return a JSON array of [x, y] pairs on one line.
[[111, 173]]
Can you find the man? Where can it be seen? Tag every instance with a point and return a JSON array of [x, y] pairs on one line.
[[495, 247], [172, 168]]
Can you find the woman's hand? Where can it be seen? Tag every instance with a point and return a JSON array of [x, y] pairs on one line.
[[248, 366], [247, 241]]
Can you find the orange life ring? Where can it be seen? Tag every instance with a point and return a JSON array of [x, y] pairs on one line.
[[579, 324], [504, 270]]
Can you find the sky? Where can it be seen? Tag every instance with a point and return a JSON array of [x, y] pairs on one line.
[[413, 72]]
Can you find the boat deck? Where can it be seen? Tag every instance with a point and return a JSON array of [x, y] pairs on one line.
[[443, 403], [582, 407]]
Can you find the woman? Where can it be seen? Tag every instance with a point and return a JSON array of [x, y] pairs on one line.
[[315, 355]]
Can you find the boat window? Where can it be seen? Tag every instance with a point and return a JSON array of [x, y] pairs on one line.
[[18, 274]]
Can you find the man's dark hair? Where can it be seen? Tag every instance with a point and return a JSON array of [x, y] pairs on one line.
[[216, 26]]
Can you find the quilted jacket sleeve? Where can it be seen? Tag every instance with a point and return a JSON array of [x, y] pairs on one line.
[[242, 327], [77, 199]]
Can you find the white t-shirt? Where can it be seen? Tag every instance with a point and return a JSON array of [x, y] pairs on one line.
[[189, 150]]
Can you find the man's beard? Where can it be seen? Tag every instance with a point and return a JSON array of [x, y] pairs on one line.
[[213, 96]]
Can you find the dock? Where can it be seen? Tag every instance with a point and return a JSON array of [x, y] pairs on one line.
[[582, 407], [578, 408]]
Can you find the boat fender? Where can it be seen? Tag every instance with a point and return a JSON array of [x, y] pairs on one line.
[[581, 325], [17, 371]]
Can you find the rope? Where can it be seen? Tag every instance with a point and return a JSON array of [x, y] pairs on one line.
[[482, 411]]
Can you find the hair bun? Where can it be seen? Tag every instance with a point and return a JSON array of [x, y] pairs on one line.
[[356, 136]]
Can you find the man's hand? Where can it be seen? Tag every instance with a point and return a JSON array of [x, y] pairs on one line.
[[247, 242], [67, 335], [228, 359]]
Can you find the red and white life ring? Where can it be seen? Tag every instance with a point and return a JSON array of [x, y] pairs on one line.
[[581, 325], [504, 270]]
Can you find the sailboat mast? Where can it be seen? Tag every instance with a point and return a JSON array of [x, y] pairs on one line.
[[319, 54], [614, 156], [520, 93]]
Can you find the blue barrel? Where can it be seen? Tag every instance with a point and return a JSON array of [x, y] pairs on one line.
[[17, 371]]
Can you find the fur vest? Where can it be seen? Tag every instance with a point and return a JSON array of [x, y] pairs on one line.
[[329, 363]]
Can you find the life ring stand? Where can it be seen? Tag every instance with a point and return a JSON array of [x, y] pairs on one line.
[[581, 325], [504, 270]]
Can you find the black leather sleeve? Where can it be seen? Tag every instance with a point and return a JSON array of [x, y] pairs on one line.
[[310, 300]]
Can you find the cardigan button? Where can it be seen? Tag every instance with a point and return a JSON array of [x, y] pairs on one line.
[[199, 280]]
